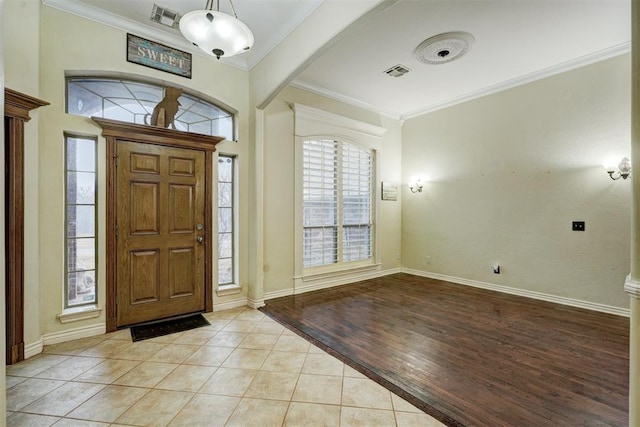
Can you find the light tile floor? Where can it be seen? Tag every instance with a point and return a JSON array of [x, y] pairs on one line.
[[243, 370]]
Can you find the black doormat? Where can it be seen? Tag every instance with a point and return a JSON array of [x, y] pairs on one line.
[[166, 327]]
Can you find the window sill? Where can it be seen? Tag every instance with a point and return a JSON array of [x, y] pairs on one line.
[[79, 313], [228, 290]]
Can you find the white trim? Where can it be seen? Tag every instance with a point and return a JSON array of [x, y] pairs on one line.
[[324, 284], [224, 290], [523, 293], [527, 78], [228, 305], [33, 349], [118, 22], [318, 90], [74, 334], [255, 304], [585, 60], [278, 294], [76, 314], [632, 287]]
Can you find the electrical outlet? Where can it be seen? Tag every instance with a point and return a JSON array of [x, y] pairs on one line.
[[496, 269], [577, 225], [427, 260]]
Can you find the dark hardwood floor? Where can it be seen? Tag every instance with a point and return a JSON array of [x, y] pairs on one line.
[[470, 356]]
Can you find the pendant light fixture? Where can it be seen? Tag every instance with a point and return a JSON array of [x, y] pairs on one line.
[[215, 32]]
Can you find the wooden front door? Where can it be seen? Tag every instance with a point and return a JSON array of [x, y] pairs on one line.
[[160, 232]]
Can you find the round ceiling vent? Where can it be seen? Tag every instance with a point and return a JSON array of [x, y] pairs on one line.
[[444, 47]]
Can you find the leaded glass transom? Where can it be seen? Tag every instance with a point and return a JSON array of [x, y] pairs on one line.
[[133, 102]]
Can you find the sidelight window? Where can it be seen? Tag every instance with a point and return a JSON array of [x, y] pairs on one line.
[[81, 218], [226, 212]]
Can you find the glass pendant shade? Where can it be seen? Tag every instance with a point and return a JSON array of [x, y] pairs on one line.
[[216, 33]]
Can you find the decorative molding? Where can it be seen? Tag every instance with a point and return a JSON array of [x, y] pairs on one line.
[[37, 347], [278, 294], [299, 84], [225, 290], [527, 78], [524, 293], [33, 349], [79, 313], [255, 304], [308, 119], [632, 287], [228, 305], [325, 284], [74, 334], [509, 84]]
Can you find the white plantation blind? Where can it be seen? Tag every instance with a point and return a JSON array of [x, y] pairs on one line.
[[356, 203], [337, 200], [320, 197]]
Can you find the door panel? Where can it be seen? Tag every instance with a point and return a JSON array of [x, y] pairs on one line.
[[160, 262]]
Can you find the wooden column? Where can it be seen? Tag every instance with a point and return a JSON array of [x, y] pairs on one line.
[[16, 113]]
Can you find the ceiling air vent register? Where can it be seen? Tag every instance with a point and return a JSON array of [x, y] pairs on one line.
[[443, 48], [397, 71]]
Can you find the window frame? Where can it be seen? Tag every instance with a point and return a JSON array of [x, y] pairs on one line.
[[77, 79], [339, 229], [234, 257], [312, 123], [67, 136]]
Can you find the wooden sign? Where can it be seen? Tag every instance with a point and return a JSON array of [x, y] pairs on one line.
[[155, 55]]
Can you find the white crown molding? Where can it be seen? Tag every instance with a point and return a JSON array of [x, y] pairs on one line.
[[102, 16], [527, 78], [345, 99], [523, 293], [632, 287], [602, 55]]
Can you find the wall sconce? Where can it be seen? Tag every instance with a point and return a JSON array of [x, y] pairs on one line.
[[416, 186], [624, 170]]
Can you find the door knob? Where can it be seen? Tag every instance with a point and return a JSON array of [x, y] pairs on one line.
[[200, 239]]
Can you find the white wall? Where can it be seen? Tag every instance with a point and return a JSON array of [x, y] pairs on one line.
[[509, 172], [279, 184]]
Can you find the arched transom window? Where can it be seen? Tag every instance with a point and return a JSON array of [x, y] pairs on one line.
[[133, 102]]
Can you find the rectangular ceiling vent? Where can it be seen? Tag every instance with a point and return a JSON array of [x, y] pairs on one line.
[[165, 16], [397, 71]]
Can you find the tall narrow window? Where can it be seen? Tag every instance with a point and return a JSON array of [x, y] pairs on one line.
[[337, 202], [81, 212], [226, 208]]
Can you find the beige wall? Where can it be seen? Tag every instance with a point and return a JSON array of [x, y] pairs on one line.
[[3, 339], [509, 172], [20, 22], [279, 184], [72, 44]]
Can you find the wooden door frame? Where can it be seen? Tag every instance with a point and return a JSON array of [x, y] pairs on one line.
[[16, 113], [115, 131]]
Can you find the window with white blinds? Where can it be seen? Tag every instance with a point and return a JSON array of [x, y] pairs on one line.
[[337, 200]]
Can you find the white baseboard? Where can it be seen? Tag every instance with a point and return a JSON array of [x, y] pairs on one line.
[[74, 334], [255, 304], [228, 305], [325, 284], [36, 348], [33, 349], [523, 293]]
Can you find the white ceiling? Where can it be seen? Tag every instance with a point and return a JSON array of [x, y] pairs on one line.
[[516, 41]]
